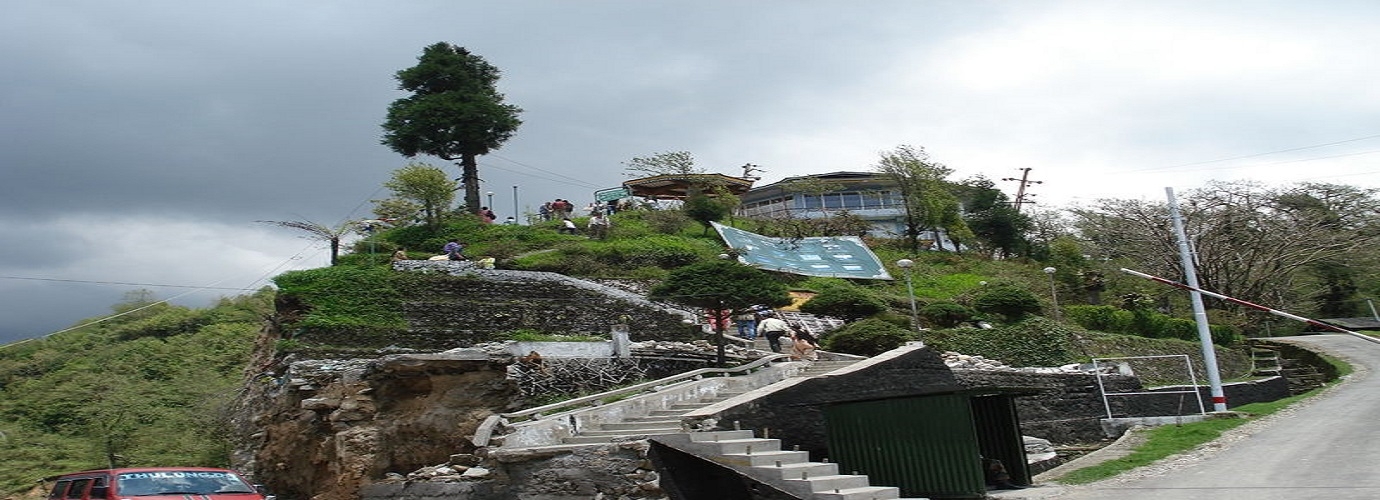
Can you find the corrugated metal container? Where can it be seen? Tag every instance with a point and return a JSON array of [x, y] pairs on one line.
[[999, 434], [925, 445]]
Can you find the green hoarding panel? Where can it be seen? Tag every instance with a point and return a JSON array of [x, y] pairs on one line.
[[924, 445], [612, 194], [833, 256]]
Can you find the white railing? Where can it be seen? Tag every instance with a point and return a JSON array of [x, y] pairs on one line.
[[582, 402]]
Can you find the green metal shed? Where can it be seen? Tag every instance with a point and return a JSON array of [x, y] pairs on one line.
[[928, 446]]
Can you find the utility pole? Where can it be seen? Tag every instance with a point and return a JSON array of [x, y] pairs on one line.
[[1020, 190]]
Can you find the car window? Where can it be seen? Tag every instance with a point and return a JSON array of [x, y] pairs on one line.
[[78, 488], [132, 484], [59, 490]]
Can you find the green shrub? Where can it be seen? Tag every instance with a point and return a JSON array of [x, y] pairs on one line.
[[868, 337], [1145, 323], [666, 221], [344, 297], [946, 314], [1101, 318], [1033, 342], [846, 301], [1009, 302], [659, 250]]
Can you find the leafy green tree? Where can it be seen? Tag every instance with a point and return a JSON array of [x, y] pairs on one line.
[[1010, 302], [455, 112], [946, 314], [999, 230], [419, 185], [665, 163], [847, 302], [868, 337], [720, 285], [926, 197], [704, 208]]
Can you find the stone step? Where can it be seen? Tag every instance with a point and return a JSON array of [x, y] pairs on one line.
[[860, 493], [831, 482], [638, 425], [705, 437], [626, 432], [653, 418], [626, 436], [799, 470], [764, 458], [745, 446]]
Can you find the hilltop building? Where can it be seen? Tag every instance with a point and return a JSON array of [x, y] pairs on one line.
[[870, 195]]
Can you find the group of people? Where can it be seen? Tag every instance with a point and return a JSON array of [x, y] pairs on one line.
[[756, 321], [558, 209]]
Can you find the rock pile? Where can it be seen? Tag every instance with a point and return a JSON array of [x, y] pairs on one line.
[[959, 361]]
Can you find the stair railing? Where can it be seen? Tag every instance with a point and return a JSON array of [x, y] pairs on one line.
[[652, 386]]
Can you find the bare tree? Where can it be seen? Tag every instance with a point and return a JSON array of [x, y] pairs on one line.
[[1250, 242], [665, 163]]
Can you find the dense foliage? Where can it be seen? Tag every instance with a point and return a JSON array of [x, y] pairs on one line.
[[143, 389], [454, 112], [845, 301], [1032, 342], [868, 337], [342, 298]]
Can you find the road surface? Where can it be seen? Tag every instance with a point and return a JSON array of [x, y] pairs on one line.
[[1325, 448]]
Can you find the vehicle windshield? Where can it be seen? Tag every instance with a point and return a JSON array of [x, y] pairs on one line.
[[192, 482]]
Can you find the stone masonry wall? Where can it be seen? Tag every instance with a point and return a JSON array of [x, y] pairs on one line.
[[458, 305]]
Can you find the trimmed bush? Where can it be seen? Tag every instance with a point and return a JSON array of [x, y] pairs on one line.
[[1033, 342], [868, 337], [1009, 302], [847, 302], [946, 314]]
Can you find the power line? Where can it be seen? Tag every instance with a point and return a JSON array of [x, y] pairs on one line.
[[123, 283], [539, 169], [1256, 155]]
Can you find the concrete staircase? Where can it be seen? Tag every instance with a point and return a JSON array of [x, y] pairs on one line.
[[668, 420], [665, 421], [791, 471], [1269, 359], [761, 459]]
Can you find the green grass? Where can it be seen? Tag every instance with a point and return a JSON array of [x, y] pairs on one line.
[[1169, 440]]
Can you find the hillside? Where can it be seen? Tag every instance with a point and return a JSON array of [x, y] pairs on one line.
[[149, 388]]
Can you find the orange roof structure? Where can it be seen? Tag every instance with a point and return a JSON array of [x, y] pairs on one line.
[[677, 186]]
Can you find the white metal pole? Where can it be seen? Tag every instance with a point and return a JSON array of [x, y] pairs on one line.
[[1219, 398]]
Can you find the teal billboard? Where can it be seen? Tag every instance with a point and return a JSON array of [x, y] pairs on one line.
[[832, 256]]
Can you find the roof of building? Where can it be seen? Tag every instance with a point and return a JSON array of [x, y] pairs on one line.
[[676, 186]]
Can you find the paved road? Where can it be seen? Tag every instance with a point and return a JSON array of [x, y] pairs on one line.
[[1328, 448]]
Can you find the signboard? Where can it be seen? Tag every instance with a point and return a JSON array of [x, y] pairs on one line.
[[832, 256], [611, 194]]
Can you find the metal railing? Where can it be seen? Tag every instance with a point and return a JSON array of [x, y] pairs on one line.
[[593, 400]]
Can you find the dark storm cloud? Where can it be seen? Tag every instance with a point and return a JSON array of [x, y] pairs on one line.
[[137, 139]]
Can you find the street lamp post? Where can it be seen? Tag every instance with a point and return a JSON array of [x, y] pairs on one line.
[[491, 200], [906, 264], [1053, 294], [515, 206]]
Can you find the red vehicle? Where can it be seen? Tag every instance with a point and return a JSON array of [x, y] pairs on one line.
[[154, 483]]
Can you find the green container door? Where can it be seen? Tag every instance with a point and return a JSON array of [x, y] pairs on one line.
[[925, 445]]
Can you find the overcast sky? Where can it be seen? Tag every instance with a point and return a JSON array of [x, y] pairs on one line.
[[139, 141]]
